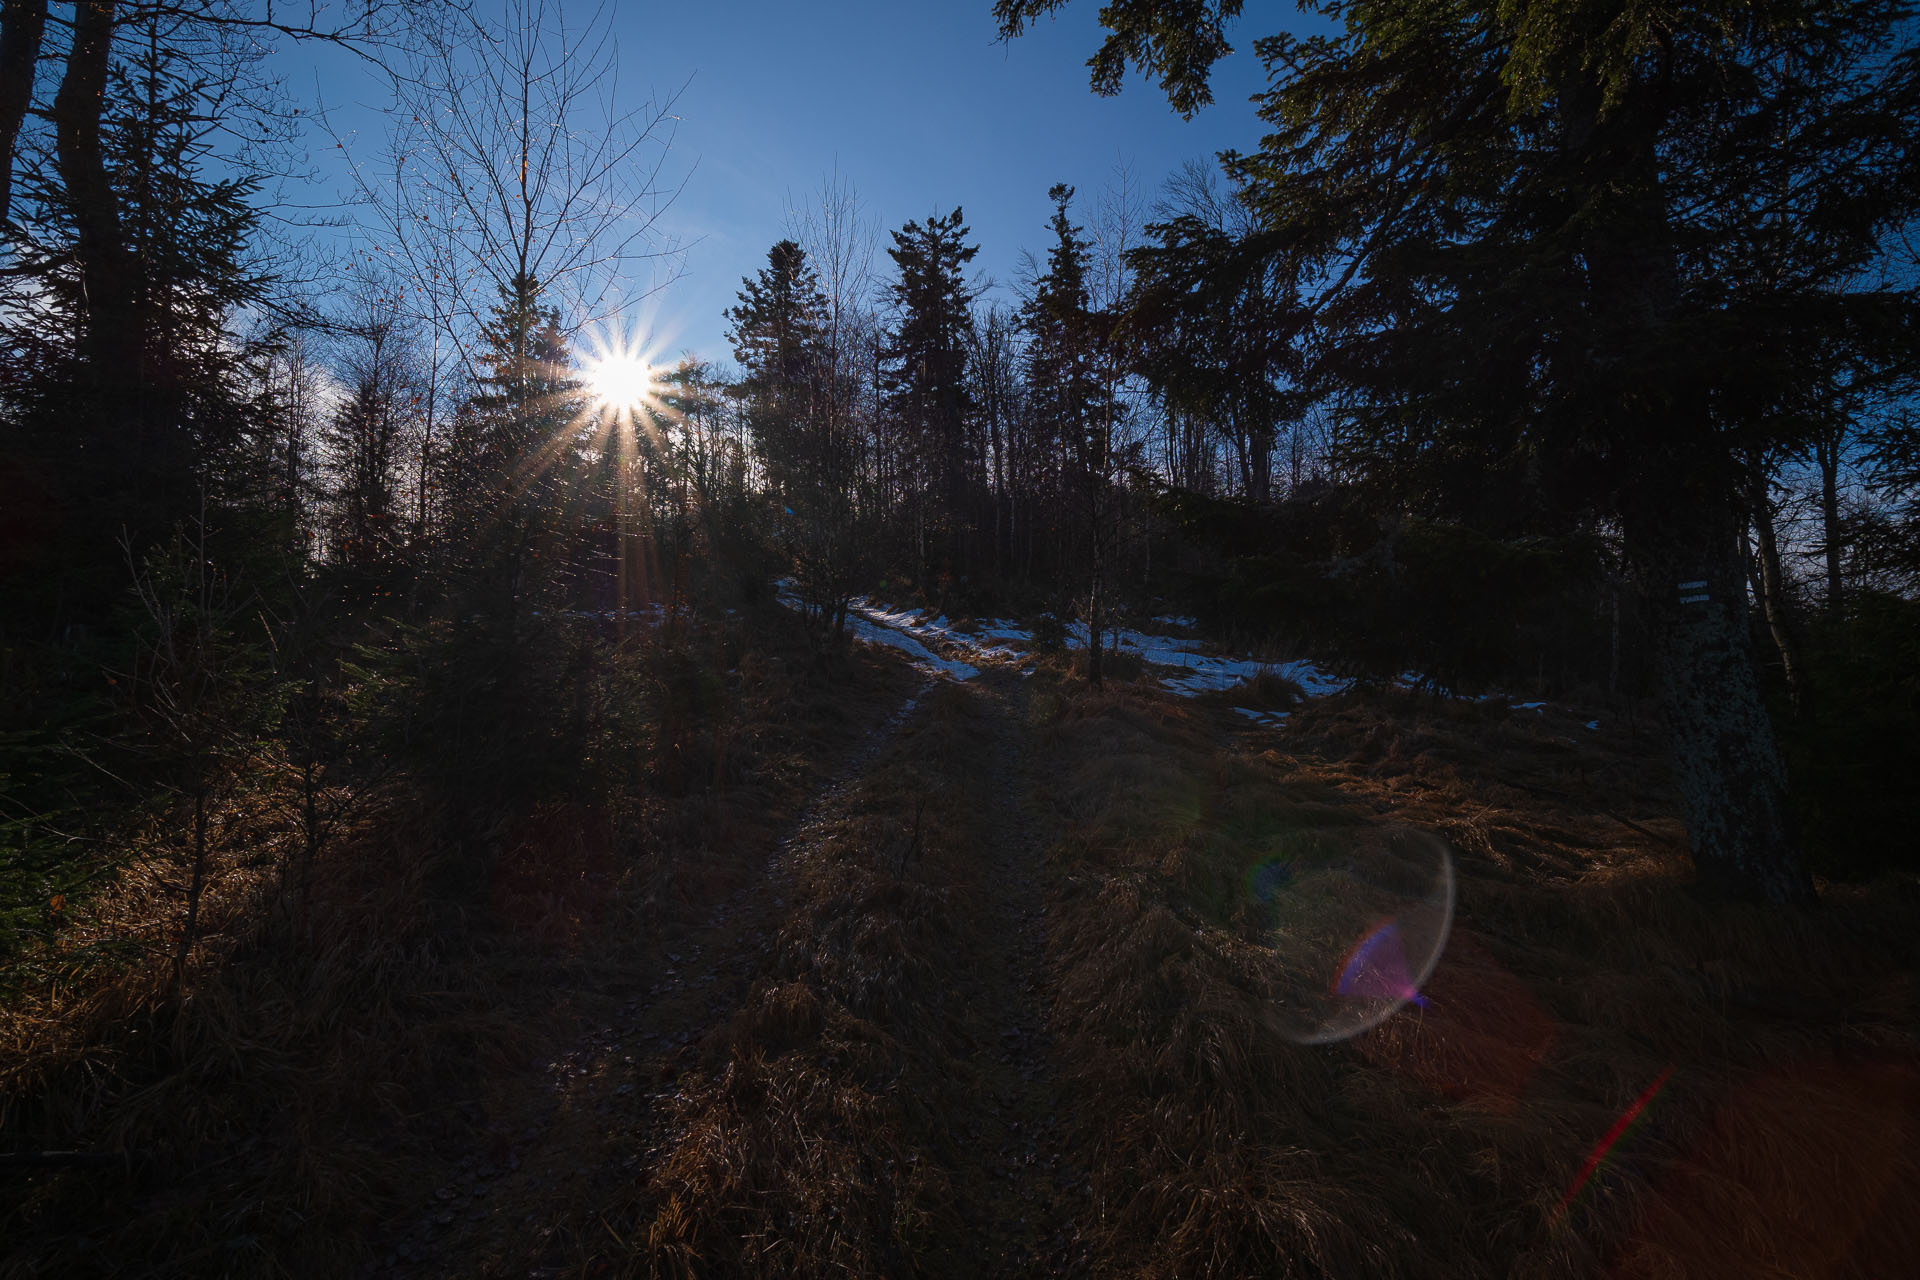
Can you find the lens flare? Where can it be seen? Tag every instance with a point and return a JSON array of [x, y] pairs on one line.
[[1376, 968], [1353, 921], [1613, 1135]]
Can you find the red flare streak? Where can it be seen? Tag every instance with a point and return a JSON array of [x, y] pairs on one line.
[[1620, 1126]]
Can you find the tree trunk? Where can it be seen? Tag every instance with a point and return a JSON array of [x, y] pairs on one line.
[[77, 109], [1827, 453], [22, 23], [1095, 606], [1733, 786], [1260, 463], [1771, 586], [1679, 516]]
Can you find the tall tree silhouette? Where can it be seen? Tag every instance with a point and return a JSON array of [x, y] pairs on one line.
[[1530, 236], [777, 331], [926, 367], [1068, 396]]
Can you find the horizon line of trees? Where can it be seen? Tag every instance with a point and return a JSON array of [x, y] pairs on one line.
[[1582, 354]]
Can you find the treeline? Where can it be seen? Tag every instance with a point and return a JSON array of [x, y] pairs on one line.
[[1574, 359], [1575, 352]]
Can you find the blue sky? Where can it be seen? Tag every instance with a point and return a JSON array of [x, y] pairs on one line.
[[919, 105]]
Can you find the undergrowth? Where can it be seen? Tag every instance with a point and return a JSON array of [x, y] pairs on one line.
[[351, 1015], [1776, 1052]]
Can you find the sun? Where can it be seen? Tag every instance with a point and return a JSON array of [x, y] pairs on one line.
[[619, 380]]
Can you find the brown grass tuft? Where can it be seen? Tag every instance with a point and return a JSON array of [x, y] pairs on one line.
[[780, 1169]]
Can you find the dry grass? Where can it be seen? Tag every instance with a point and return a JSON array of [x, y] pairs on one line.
[[332, 1050], [812, 1140], [262, 1113], [1580, 969], [338, 1037], [1265, 690]]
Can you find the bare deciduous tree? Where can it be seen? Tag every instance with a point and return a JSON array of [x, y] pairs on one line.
[[511, 159]]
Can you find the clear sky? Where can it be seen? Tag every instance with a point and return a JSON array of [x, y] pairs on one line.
[[917, 103]]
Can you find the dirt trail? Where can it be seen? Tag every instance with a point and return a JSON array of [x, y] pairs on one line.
[[524, 1205], [1023, 1193], [642, 1023]]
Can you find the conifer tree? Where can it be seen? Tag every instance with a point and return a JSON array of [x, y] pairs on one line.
[[1068, 396], [1210, 325], [777, 335], [516, 448], [365, 438], [926, 367], [131, 265], [780, 335]]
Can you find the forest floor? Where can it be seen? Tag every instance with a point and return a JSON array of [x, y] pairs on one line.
[[639, 1116], [975, 978]]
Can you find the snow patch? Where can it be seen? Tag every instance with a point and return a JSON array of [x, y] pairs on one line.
[[1186, 670], [876, 627], [864, 628], [940, 629], [1180, 664]]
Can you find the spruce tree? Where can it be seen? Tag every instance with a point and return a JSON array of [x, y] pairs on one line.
[[777, 331], [780, 334], [363, 440], [517, 450], [131, 378], [925, 377], [1209, 324], [1068, 396]]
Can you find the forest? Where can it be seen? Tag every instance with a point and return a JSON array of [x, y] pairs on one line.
[[1353, 718]]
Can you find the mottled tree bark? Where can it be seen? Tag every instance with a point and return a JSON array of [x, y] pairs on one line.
[[1680, 511], [1733, 786], [22, 23]]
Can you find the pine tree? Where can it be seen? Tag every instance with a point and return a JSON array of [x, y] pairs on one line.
[[781, 336], [777, 331], [517, 451], [363, 443], [1068, 395], [926, 383], [526, 392], [131, 266], [1210, 322]]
